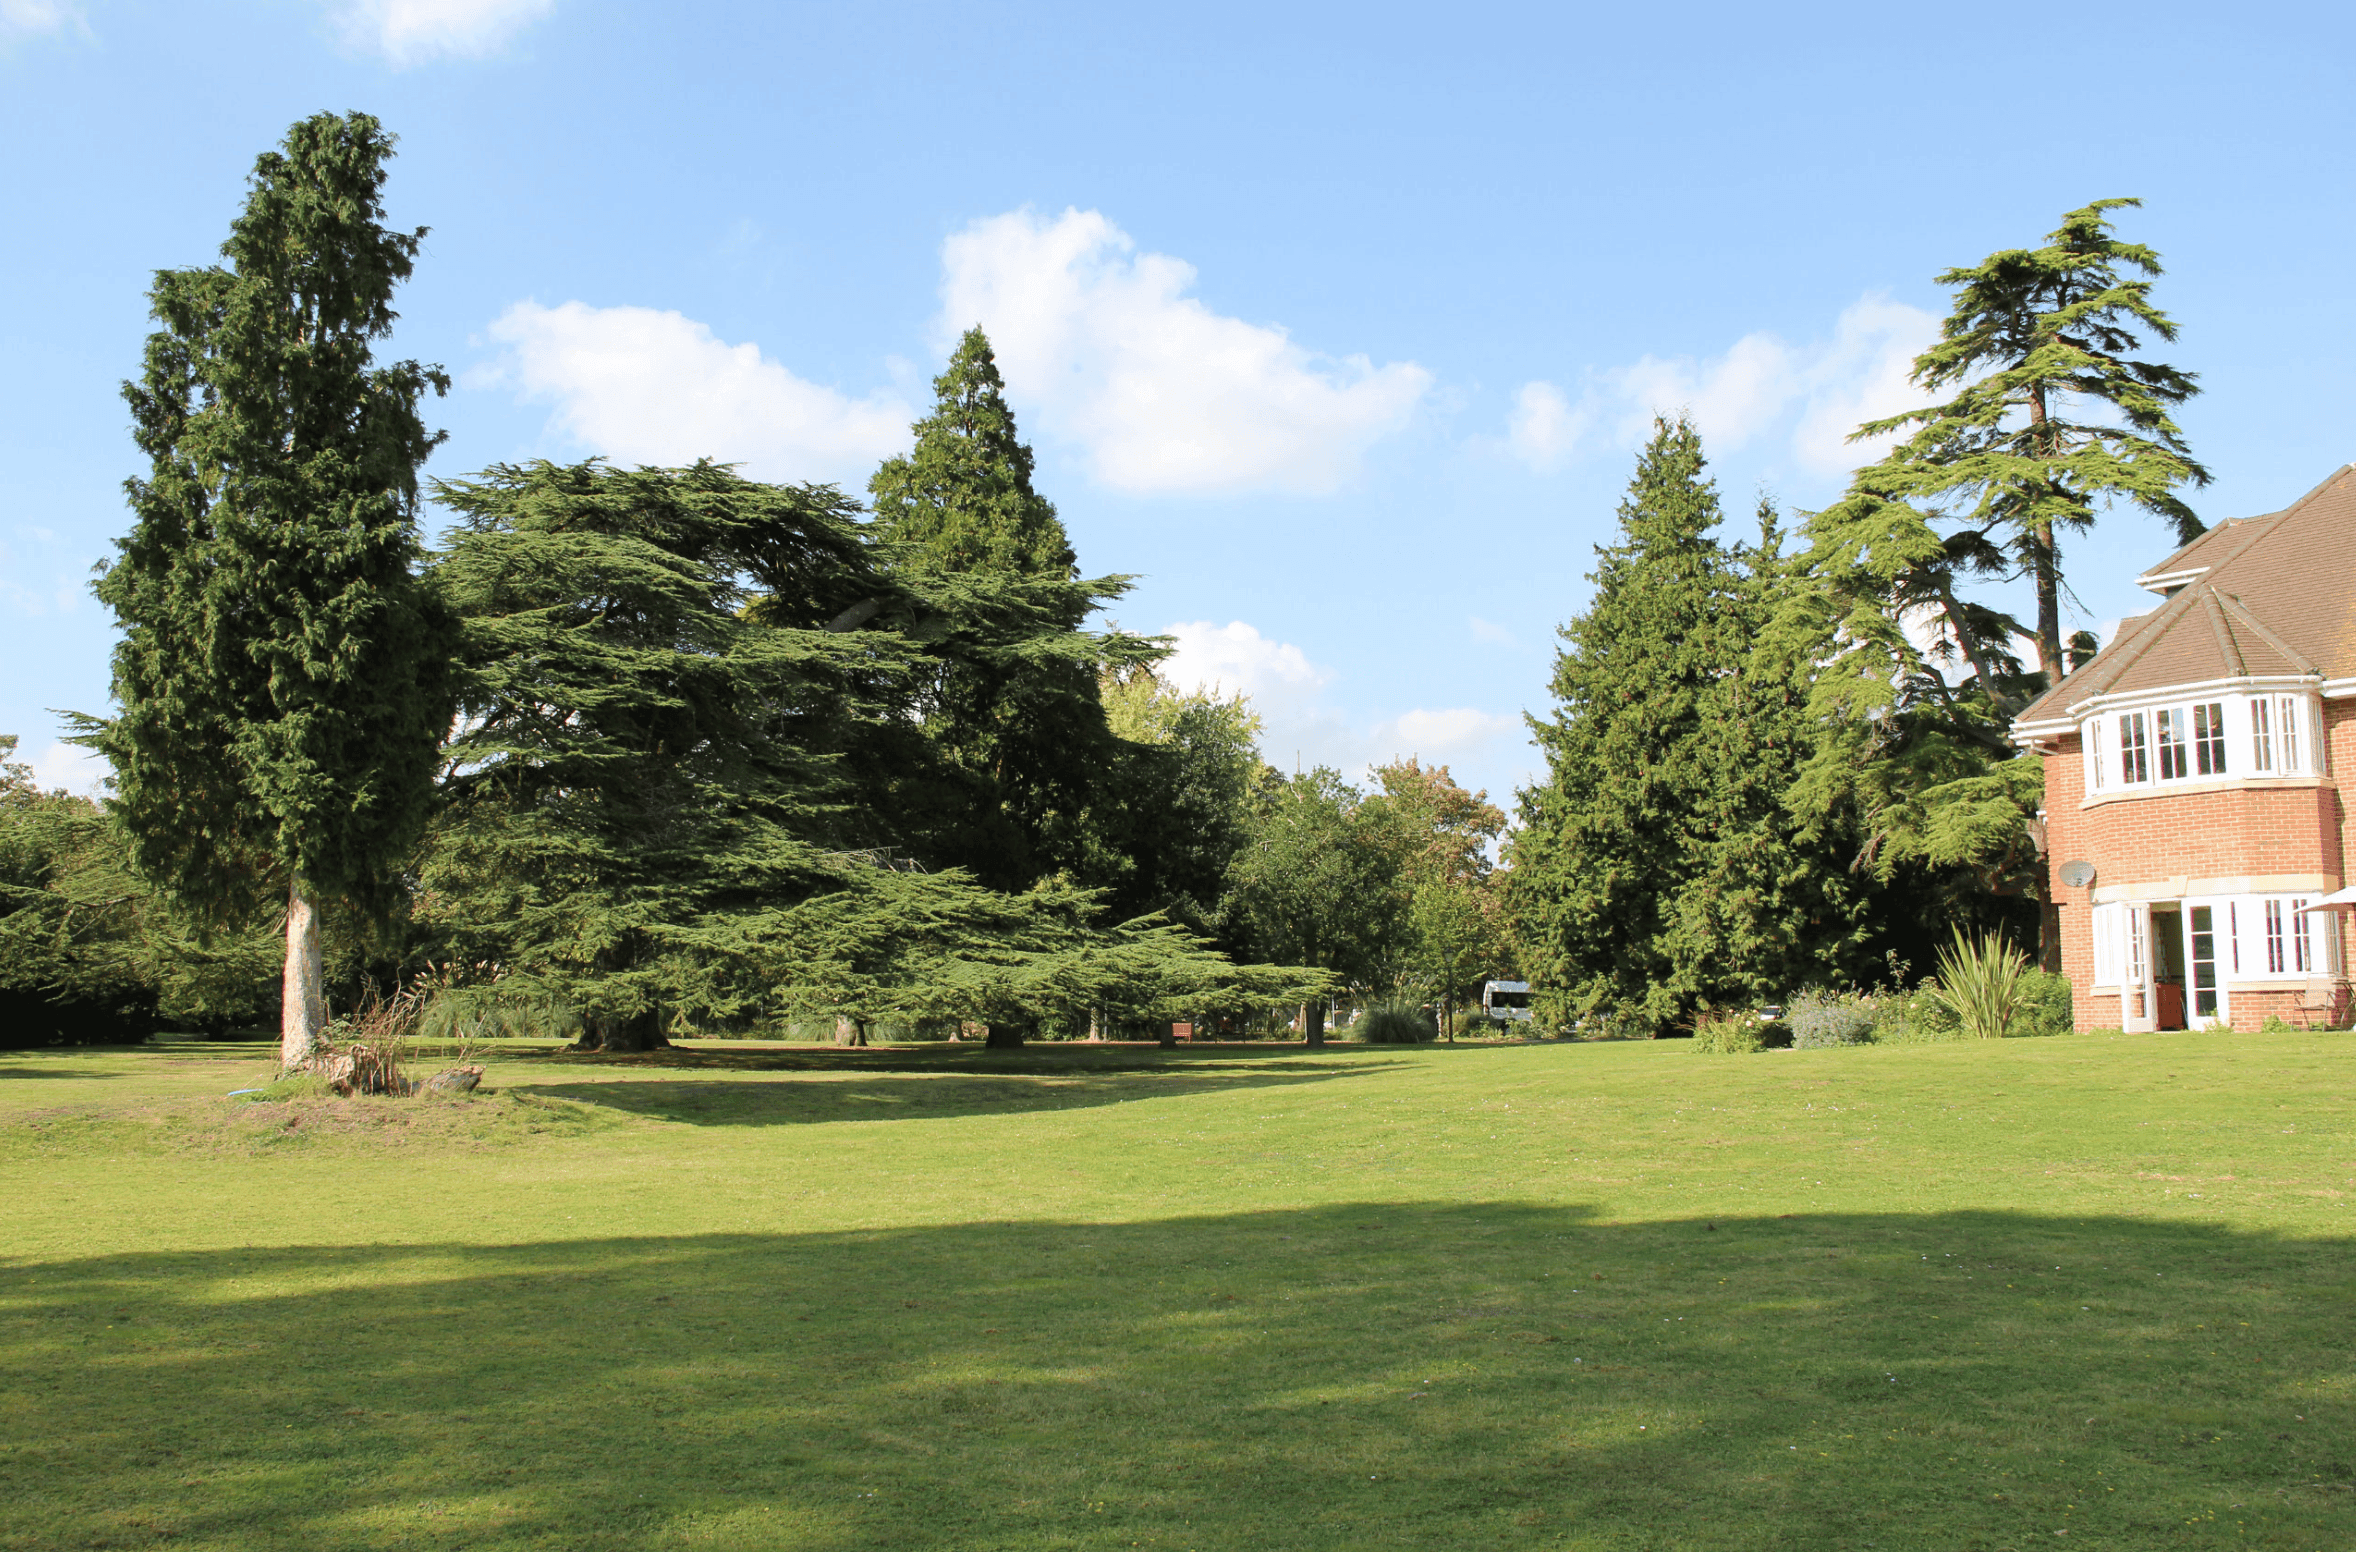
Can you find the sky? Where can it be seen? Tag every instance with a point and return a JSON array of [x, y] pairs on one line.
[[1337, 327]]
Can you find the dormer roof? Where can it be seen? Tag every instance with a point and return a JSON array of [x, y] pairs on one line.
[[2258, 597]]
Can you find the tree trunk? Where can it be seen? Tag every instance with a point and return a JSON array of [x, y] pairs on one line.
[[1004, 1037], [1096, 1026], [1313, 1022], [617, 1034], [2044, 561], [849, 1031], [302, 1018]]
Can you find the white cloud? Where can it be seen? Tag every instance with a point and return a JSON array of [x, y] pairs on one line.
[[1821, 391], [71, 767], [1546, 426], [1166, 395], [642, 386], [409, 32], [1489, 630], [1298, 724], [38, 18]]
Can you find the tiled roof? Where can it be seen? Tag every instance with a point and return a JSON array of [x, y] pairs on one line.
[[2268, 595]]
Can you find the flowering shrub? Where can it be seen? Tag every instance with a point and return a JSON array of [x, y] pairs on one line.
[[1734, 1032]]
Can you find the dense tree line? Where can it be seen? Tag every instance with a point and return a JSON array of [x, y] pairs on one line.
[[635, 752], [1768, 771]]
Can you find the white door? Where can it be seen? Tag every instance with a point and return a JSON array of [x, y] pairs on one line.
[[2137, 1007], [2204, 986]]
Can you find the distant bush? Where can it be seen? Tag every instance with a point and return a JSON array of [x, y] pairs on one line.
[[1827, 1018], [2044, 1005], [1737, 1032], [1916, 1018], [1396, 1025]]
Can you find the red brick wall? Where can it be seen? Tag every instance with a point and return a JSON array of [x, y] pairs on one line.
[[2219, 833]]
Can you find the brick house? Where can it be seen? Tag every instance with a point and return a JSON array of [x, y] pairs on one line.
[[2192, 771]]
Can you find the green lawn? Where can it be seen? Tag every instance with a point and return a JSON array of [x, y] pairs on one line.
[[2092, 1292]]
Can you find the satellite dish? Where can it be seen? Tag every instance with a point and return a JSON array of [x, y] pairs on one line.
[[2077, 874]]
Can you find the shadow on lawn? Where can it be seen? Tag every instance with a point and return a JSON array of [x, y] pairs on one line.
[[925, 1094], [1435, 1376]]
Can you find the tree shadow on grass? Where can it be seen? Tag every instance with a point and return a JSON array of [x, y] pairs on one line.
[[1404, 1374], [921, 1094]]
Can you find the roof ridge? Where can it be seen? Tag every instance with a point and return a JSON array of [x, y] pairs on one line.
[[2295, 659], [2227, 647], [2145, 637]]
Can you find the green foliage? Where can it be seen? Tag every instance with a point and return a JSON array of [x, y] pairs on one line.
[[88, 951], [1738, 1032], [640, 778], [1318, 880], [1394, 1024], [1983, 982], [1018, 769], [2052, 415], [1455, 933], [1657, 867], [962, 499], [1821, 1018], [280, 676], [1917, 1017], [2045, 1004], [1182, 773]]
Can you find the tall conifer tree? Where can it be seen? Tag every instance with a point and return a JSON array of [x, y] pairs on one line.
[[2053, 415], [280, 681], [1603, 850], [1025, 730]]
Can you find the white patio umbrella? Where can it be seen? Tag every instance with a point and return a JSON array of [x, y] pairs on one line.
[[2337, 900]]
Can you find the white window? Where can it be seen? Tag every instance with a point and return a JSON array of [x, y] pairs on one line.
[[2302, 939], [2262, 735], [2094, 752], [2208, 738], [2275, 958], [2233, 931], [2134, 749], [2168, 728], [2288, 711]]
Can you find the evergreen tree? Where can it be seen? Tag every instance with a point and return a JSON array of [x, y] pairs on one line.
[[1024, 732], [280, 681], [2052, 416], [963, 498], [1770, 903], [644, 772], [1656, 869]]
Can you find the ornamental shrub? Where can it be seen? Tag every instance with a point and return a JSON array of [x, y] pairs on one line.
[[2044, 1005], [1736, 1032], [1395, 1025], [1825, 1018]]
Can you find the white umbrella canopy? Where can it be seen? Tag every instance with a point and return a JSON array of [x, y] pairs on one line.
[[2337, 900]]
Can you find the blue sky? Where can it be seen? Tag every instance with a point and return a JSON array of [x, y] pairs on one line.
[[1337, 324]]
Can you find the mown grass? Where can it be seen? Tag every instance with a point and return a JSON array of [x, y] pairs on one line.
[[2087, 1291]]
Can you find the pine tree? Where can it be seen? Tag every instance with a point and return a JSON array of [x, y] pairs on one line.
[[280, 682], [2053, 416]]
